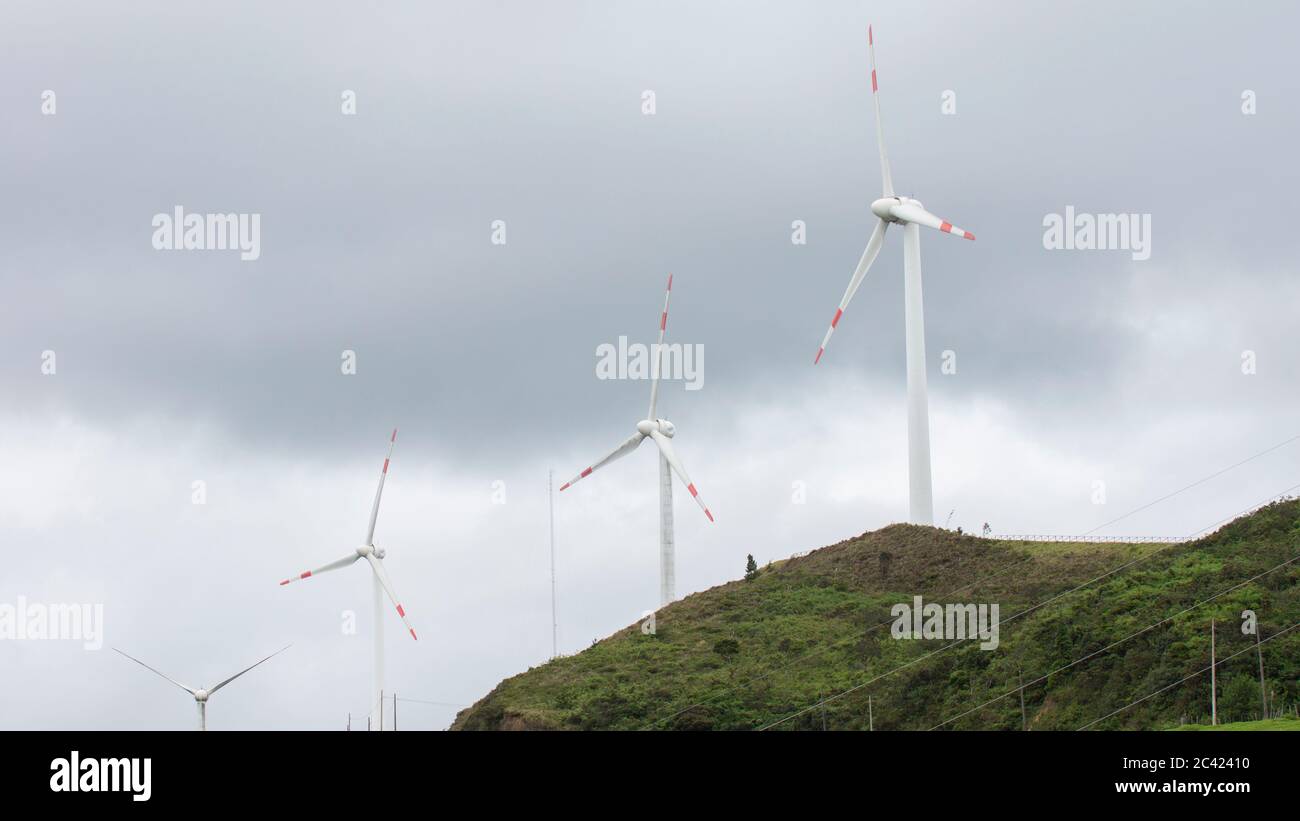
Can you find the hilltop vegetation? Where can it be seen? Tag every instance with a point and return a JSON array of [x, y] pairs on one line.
[[756, 651]]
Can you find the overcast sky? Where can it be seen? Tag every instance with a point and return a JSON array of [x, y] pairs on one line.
[[1073, 367]]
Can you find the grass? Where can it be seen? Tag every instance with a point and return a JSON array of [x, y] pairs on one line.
[[748, 653], [1268, 725]]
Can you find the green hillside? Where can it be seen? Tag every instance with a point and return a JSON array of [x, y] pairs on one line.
[[752, 652]]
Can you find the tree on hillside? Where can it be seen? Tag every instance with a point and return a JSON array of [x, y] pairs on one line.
[[727, 649], [1239, 700], [751, 567]]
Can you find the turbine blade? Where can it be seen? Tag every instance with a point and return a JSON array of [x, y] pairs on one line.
[[868, 257], [307, 574], [920, 216], [384, 582], [189, 690], [246, 669], [379, 491], [628, 445], [657, 365], [880, 129], [666, 448]]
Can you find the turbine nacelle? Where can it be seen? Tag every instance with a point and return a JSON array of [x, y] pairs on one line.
[[201, 696], [371, 550], [647, 426]]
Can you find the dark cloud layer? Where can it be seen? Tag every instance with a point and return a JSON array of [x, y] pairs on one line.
[[376, 227]]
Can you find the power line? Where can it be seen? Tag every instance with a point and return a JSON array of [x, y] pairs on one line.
[[956, 642], [434, 703], [1274, 498], [1114, 644], [1011, 618], [813, 653], [820, 650], [1187, 678], [1185, 488], [1169, 496], [1198, 482]]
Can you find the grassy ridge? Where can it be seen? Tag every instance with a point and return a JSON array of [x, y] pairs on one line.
[[748, 653]]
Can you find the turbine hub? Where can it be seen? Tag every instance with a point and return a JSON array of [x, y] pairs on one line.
[[647, 426], [365, 550], [200, 696], [884, 206]]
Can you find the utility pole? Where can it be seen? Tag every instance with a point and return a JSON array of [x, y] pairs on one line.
[[1024, 722], [550, 492], [1214, 704], [381, 711], [394, 712], [871, 717], [1263, 694], [349, 722], [367, 723]]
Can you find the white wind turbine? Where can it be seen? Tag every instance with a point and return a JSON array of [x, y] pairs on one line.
[[909, 213], [202, 694], [662, 432], [375, 556]]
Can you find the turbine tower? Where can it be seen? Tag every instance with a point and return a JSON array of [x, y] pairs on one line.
[[662, 432], [202, 694], [381, 585], [909, 213]]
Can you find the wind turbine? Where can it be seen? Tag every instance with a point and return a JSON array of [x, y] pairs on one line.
[[909, 213], [662, 432], [375, 556], [202, 694]]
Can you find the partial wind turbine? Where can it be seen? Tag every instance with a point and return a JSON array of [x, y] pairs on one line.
[[909, 213], [202, 694], [662, 432], [375, 556]]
